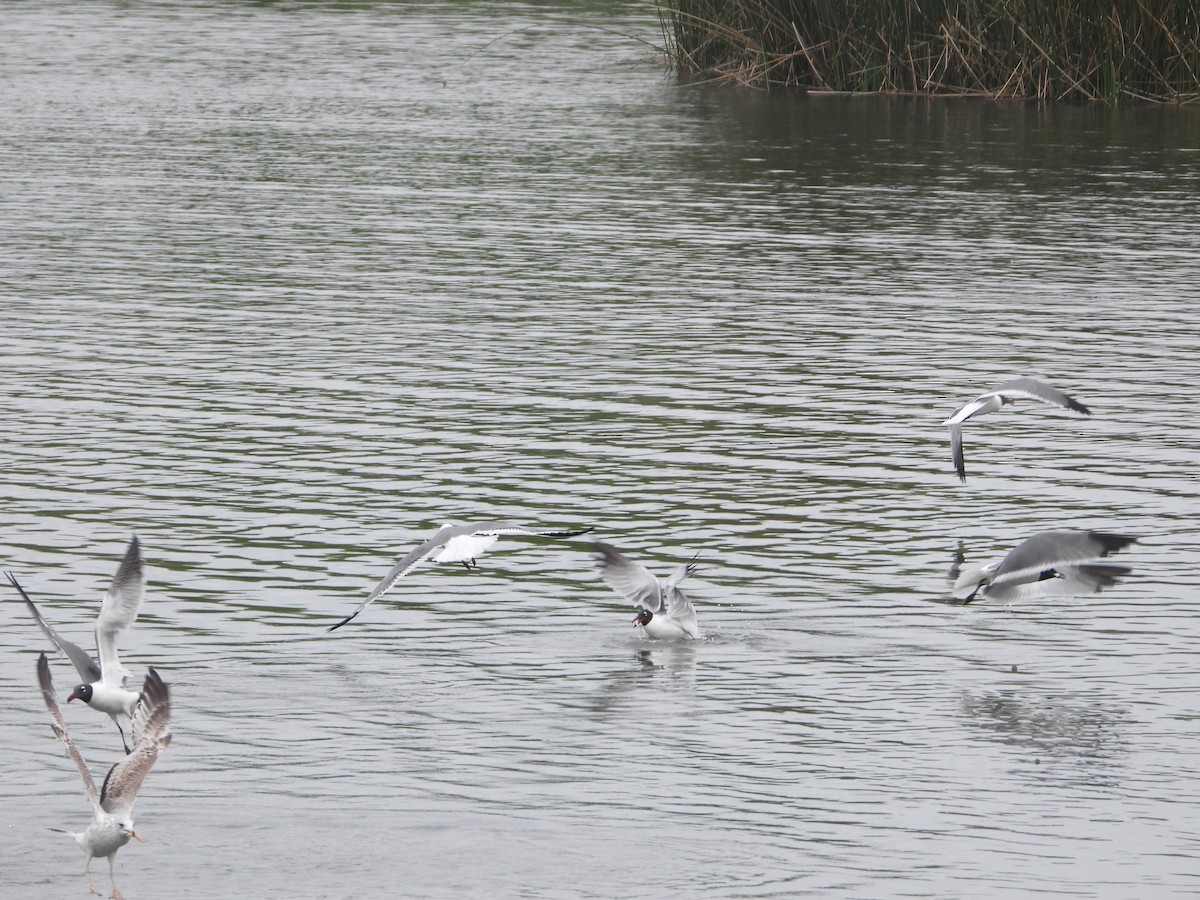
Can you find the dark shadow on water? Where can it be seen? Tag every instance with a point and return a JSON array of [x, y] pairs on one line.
[[885, 140]]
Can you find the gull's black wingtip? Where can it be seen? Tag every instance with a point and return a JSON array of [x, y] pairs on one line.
[[1110, 542], [567, 534], [340, 624], [12, 579]]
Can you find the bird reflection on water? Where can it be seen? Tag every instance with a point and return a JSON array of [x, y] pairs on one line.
[[1047, 727], [670, 666]]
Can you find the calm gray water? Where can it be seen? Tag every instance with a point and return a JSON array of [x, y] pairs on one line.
[[286, 286]]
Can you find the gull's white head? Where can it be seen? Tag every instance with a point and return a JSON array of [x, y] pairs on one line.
[[126, 827]]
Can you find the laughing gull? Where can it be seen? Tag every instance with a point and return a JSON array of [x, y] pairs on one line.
[[1049, 564], [453, 543], [103, 685], [1001, 396], [112, 807], [664, 613]]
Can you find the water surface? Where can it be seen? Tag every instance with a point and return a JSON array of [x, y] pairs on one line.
[[287, 286]]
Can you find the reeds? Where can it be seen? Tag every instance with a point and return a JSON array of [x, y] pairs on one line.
[[1073, 49]]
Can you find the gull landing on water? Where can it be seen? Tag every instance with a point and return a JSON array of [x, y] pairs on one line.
[[664, 613], [1001, 396], [1049, 564], [103, 685], [112, 807], [453, 543]]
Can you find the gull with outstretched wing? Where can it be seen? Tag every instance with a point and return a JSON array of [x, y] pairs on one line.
[[454, 543], [112, 805], [1049, 564], [1003, 395], [102, 685], [664, 612]]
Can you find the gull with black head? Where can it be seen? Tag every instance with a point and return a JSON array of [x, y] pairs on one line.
[[1049, 564], [663, 611], [102, 685]]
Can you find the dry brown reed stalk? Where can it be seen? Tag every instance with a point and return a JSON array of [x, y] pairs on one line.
[[1071, 49]]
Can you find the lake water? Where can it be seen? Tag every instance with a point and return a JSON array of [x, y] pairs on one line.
[[286, 286]]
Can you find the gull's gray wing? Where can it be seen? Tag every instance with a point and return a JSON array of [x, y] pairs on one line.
[[46, 683], [677, 604], [88, 669], [1093, 577], [631, 580], [500, 529], [118, 612], [1055, 549], [983, 403], [402, 568], [465, 542], [152, 734], [443, 535], [956, 450], [1035, 389], [957, 565], [1062, 581]]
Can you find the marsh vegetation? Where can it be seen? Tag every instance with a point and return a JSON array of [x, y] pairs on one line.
[[1080, 49]]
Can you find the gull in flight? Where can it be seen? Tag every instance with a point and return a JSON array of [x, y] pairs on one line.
[[664, 613], [453, 543], [112, 807], [1049, 564], [103, 685], [1001, 396]]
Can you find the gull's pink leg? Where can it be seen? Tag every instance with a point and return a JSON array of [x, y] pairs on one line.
[[116, 894], [87, 871]]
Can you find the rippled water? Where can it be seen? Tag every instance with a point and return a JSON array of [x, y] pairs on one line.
[[287, 286]]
